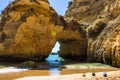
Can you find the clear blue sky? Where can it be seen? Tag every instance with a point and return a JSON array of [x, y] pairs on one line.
[[59, 5], [3, 4]]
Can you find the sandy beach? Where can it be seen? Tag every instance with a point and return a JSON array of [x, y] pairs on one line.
[[112, 75], [66, 74]]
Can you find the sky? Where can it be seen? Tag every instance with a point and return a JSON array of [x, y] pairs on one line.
[[56, 48], [3, 4], [60, 7]]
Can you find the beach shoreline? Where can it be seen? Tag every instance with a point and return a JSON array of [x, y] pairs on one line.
[[64, 73]]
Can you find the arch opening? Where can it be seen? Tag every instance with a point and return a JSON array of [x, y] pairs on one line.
[[54, 58]]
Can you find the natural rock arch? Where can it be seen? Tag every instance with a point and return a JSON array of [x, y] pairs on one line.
[[31, 30]]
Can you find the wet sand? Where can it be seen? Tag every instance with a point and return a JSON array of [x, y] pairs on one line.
[[12, 76]]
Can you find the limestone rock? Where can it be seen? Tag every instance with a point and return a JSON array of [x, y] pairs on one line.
[[28, 30], [74, 43], [90, 28], [90, 10], [101, 21]]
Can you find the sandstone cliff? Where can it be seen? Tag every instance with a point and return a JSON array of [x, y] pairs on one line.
[[101, 21], [90, 29], [28, 30]]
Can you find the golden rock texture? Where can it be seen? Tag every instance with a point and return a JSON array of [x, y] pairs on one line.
[[101, 21], [74, 42], [90, 29], [28, 30]]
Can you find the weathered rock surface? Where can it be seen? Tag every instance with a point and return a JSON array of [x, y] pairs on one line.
[[28, 30], [90, 10], [101, 21], [91, 28], [74, 43]]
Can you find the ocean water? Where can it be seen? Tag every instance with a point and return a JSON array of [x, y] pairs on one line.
[[54, 71]]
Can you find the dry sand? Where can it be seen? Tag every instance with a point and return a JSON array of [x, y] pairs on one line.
[[113, 74]]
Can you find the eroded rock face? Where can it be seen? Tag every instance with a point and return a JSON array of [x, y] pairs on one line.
[[101, 48], [90, 10], [28, 30], [74, 43], [110, 38], [91, 28], [101, 21]]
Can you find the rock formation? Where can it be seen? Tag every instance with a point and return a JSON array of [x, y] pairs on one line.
[[28, 30], [73, 41], [101, 21], [90, 29]]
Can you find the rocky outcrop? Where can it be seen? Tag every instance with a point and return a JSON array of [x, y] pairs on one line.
[[101, 48], [28, 30], [110, 41], [74, 43], [101, 21], [90, 10], [90, 28]]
